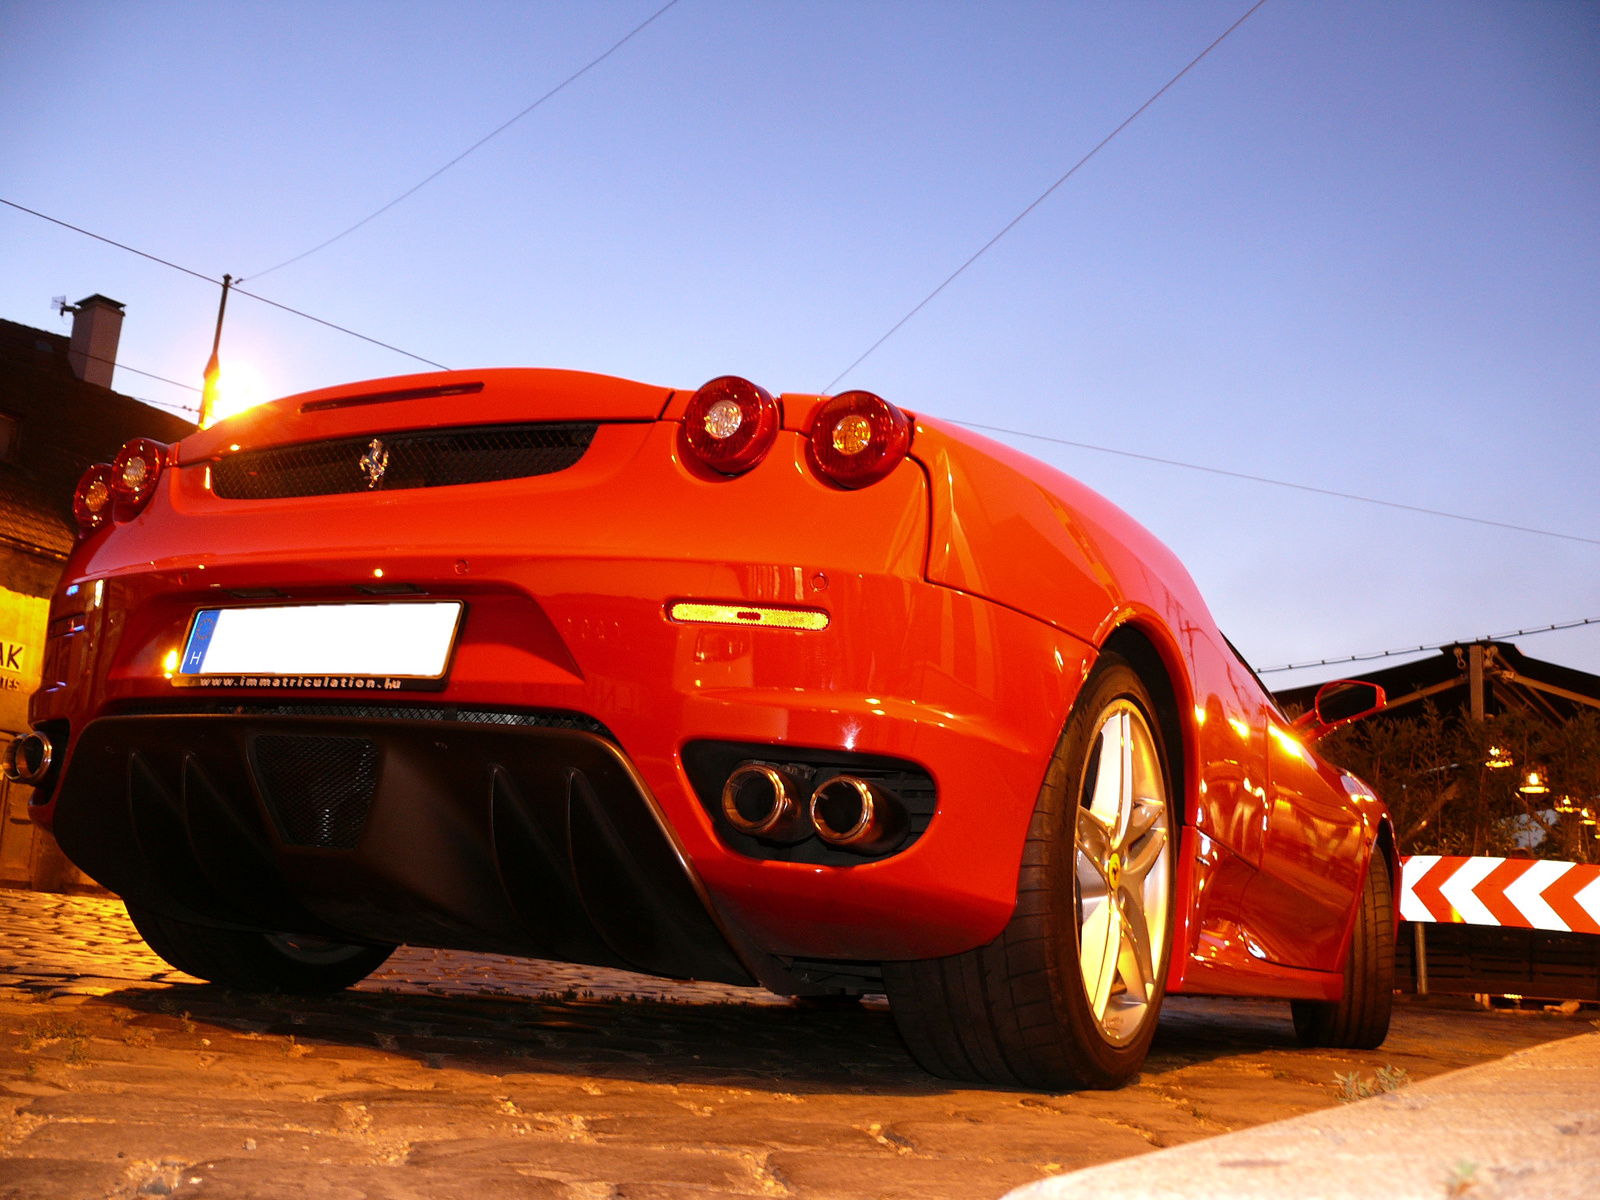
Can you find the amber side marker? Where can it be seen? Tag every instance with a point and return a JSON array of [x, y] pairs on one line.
[[695, 613]]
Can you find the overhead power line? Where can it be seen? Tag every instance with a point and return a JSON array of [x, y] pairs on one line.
[[1301, 487], [194, 408], [171, 404], [1493, 637], [124, 367], [1283, 483], [201, 275], [494, 133], [148, 375], [108, 241], [1016, 220]]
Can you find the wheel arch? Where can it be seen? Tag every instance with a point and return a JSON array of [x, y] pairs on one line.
[[1133, 642]]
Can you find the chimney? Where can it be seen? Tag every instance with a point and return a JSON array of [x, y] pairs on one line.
[[96, 329]]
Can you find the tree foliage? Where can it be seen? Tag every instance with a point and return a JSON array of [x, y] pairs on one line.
[[1433, 772]]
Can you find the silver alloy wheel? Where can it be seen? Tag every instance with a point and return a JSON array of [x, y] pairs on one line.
[[1123, 875]]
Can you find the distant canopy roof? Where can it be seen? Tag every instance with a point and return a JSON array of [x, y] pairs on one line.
[[1511, 680]]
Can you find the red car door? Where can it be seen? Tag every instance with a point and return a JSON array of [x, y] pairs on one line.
[[1300, 901]]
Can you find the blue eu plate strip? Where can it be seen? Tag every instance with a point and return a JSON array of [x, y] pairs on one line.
[[194, 657]]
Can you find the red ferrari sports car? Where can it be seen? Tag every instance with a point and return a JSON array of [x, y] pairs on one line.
[[807, 692]]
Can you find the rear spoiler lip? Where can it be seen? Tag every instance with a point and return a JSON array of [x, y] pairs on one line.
[[439, 399]]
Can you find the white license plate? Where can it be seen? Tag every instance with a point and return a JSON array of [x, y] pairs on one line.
[[376, 645]]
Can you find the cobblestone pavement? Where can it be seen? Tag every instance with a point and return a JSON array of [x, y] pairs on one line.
[[455, 1075]]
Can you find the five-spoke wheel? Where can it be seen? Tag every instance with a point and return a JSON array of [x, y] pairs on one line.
[[1068, 995], [1123, 876]]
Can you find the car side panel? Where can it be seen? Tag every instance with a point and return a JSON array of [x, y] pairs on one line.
[[1232, 735], [997, 533], [1319, 836], [1009, 528]]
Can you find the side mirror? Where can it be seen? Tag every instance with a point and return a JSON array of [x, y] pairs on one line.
[[1339, 703]]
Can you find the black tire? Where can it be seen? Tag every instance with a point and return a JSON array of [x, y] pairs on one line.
[[1359, 1021], [1017, 1011], [258, 962]]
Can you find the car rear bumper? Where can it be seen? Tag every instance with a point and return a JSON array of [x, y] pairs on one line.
[[567, 582]]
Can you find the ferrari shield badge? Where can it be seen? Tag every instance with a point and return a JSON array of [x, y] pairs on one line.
[[375, 462]]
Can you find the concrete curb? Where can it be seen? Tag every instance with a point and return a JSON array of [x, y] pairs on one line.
[[1525, 1126]]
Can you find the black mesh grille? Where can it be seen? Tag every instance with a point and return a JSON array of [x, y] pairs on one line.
[[422, 458], [319, 787], [542, 718]]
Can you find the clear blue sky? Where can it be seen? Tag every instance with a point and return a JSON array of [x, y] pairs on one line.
[[1358, 247]]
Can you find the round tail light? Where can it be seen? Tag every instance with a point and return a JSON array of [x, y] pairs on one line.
[[134, 474], [730, 425], [91, 503], [858, 438]]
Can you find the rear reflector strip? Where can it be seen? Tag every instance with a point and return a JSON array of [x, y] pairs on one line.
[[694, 613]]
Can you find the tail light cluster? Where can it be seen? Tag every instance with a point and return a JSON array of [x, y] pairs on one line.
[[122, 489], [856, 438], [731, 424], [91, 503]]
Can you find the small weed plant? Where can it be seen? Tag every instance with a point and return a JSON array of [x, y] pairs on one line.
[[1461, 1180], [47, 1031], [1353, 1087]]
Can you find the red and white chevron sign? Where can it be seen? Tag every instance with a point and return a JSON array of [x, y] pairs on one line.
[[1525, 893]]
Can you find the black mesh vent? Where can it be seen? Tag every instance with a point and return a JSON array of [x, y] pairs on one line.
[[541, 718], [422, 458], [319, 787]]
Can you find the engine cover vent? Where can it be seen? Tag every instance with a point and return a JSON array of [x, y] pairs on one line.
[[392, 461]]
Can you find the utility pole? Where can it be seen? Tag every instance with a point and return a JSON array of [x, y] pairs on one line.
[[1475, 680], [208, 395]]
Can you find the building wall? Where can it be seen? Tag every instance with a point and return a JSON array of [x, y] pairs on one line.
[[29, 857]]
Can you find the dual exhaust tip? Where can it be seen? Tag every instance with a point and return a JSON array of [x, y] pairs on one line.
[[845, 811], [27, 758]]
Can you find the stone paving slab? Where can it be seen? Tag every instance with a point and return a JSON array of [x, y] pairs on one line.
[[458, 1075], [1525, 1126]]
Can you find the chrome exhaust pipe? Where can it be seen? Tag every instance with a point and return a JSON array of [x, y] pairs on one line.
[[27, 758], [765, 802], [855, 814]]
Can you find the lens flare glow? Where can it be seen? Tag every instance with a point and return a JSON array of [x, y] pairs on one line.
[[239, 388]]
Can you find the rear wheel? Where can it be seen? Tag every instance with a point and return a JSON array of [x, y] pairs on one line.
[[1360, 1020], [1069, 993], [258, 962]]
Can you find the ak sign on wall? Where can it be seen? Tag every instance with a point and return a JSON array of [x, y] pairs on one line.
[[22, 625]]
